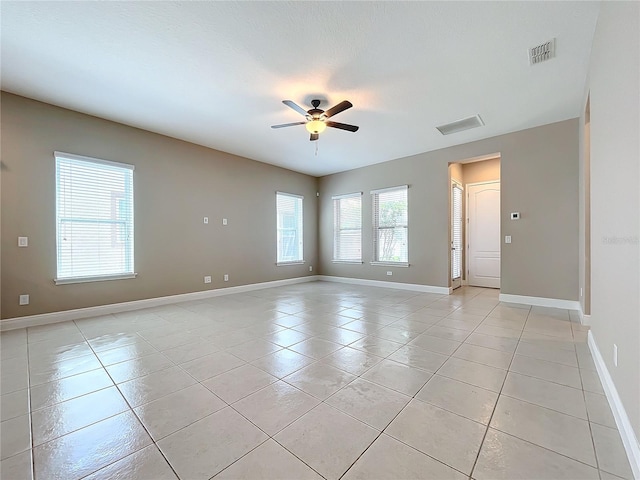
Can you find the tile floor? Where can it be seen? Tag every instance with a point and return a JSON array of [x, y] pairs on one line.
[[311, 381]]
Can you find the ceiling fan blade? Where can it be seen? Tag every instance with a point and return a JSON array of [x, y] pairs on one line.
[[314, 137], [296, 107], [343, 126], [341, 107], [287, 124]]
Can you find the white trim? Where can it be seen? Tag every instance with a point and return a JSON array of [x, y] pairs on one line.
[[629, 439], [102, 278], [390, 264], [294, 195], [378, 283], [584, 318], [389, 189], [294, 262], [486, 182], [540, 301], [481, 158], [346, 195], [72, 156], [349, 262], [66, 315]]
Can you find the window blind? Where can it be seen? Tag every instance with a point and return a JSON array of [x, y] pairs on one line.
[[94, 218], [289, 228], [347, 228], [390, 225], [456, 231]]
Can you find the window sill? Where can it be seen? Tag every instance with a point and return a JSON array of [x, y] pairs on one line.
[[390, 264], [104, 278], [284, 264], [348, 262]]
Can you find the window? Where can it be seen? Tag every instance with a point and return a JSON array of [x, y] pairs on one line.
[[390, 226], [94, 219], [289, 227], [347, 228], [456, 231]]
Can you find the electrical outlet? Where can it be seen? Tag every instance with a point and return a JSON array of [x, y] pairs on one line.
[[226, 277], [206, 220], [310, 268], [24, 299], [23, 241], [615, 354], [207, 279], [389, 273]]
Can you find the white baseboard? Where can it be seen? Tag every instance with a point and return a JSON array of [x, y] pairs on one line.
[[584, 319], [379, 283], [629, 439], [540, 301], [66, 315]]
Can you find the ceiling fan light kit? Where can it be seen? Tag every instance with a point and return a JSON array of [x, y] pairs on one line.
[[316, 122], [316, 126]]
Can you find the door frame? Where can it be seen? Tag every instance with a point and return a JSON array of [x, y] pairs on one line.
[[466, 230]]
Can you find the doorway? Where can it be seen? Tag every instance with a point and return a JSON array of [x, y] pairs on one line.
[[476, 263], [483, 234]]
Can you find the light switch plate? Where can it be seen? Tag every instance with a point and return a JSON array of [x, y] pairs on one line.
[[206, 220], [23, 241], [226, 277], [224, 221], [507, 239], [24, 299]]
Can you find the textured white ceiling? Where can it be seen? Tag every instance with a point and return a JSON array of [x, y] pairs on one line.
[[215, 73]]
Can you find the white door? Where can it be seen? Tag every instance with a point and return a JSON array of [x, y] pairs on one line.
[[456, 235], [483, 216]]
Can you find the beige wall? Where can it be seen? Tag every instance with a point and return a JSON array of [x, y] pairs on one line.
[[176, 185], [455, 172], [539, 167], [483, 171], [614, 76]]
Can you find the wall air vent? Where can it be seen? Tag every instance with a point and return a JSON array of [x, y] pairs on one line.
[[543, 52], [460, 125]]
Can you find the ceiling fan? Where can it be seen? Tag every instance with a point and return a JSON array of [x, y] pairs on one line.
[[316, 121]]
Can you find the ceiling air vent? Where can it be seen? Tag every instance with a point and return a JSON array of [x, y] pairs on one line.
[[460, 125], [543, 52]]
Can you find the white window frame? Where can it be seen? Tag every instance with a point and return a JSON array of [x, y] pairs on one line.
[[129, 271], [455, 185], [337, 228], [299, 231], [375, 204]]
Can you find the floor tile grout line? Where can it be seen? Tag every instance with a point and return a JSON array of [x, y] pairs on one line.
[[484, 437], [153, 442], [396, 416], [32, 453], [413, 397], [544, 448], [403, 344], [586, 407]]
